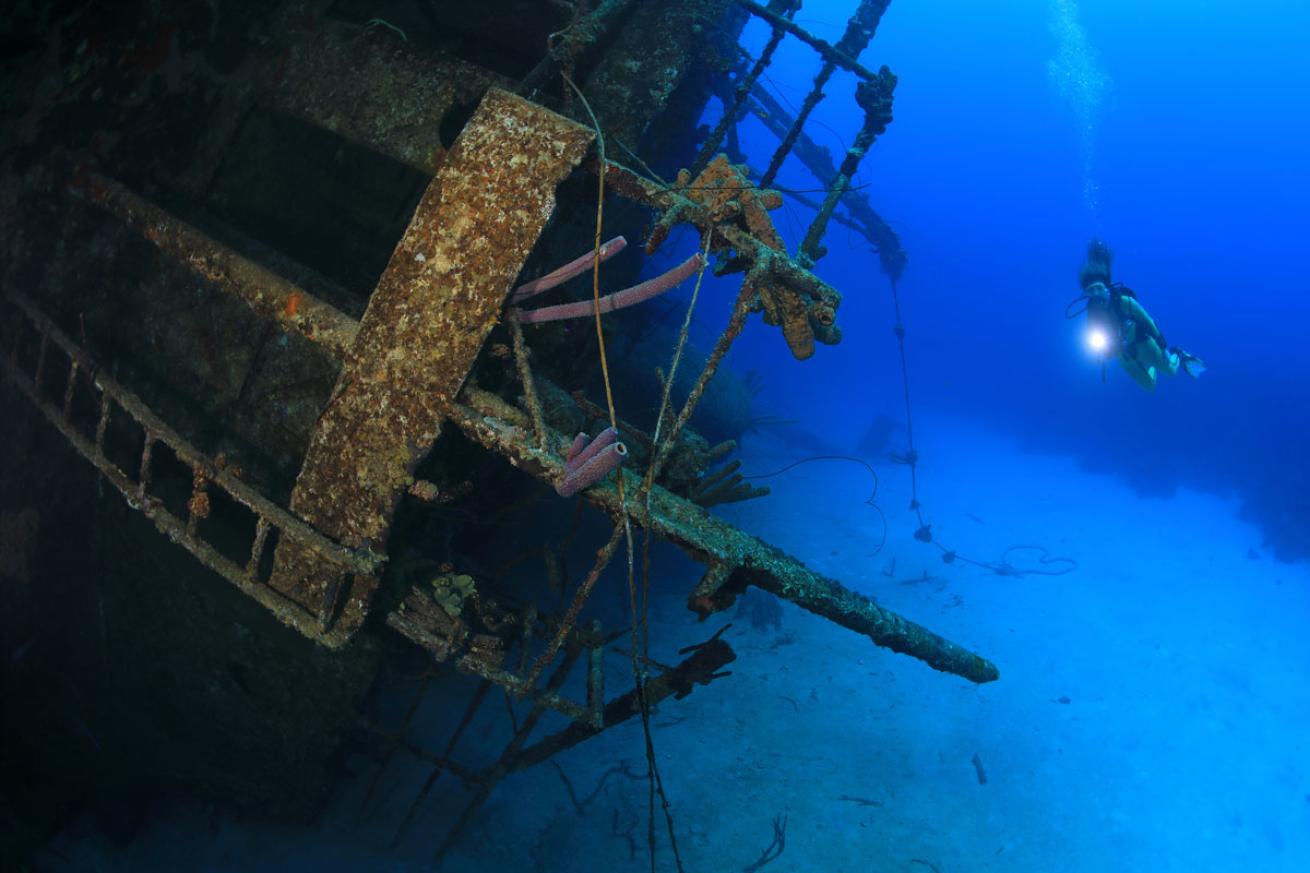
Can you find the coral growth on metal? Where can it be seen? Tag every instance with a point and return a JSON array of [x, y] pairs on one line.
[[726, 193], [426, 322]]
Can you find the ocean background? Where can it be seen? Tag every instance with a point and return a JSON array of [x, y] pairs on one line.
[[1154, 703], [1021, 131]]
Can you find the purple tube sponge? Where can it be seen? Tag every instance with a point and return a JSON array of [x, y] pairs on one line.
[[638, 293], [581, 454], [579, 443], [588, 462], [575, 267]]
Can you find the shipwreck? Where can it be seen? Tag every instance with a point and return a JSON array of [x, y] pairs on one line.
[[278, 382]]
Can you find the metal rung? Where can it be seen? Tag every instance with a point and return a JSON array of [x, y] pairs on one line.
[[270, 517]]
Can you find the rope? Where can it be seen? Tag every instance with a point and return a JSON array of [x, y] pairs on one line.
[[871, 500], [911, 457], [1003, 567]]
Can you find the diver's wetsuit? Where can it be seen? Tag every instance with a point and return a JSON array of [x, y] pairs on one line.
[[1142, 349]]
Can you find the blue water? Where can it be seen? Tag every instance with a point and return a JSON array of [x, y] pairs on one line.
[[1189, 137], [1153, 707]]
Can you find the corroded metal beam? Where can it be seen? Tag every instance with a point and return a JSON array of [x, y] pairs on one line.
[[270, 295], [440, 295], [448, 638], [875, 98], [859, 30], [831, 54], [791, 296], [863, 217], [734, 558], [704, 663]]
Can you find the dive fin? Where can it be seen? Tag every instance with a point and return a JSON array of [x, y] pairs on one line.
[[1192, 365]]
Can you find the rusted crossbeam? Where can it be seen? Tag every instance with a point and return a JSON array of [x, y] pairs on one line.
[[704, 663], [830, 53], [875, 98], [270, 295], [818, 160], [859, 30], [734, 102], [734, 559]]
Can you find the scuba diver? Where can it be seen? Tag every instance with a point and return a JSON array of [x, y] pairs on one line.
[[1119, 326]]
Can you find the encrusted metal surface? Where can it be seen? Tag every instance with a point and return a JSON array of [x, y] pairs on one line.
[[270, 295], [373, 88], [439, 297], [722, 198], [425, 624], [734, 559], [637, 76]]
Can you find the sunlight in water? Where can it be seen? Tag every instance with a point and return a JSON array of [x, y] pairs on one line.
[[1079, 80]]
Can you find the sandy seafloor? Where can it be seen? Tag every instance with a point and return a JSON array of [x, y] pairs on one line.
[[1182, 650]]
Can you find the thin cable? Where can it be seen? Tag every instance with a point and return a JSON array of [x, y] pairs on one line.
[[871, 500], [638, 674], [912, 456], [649, 480], [911, 459]]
